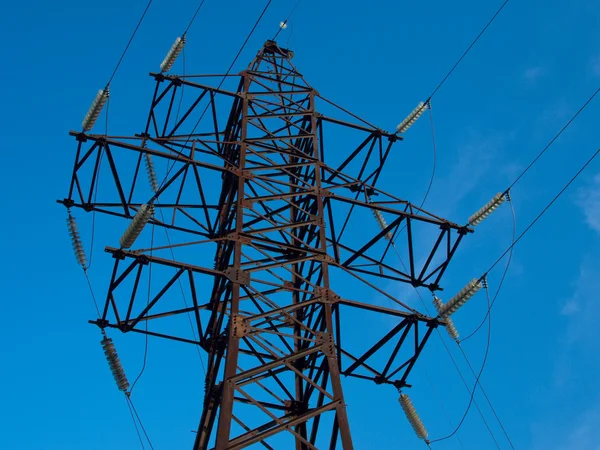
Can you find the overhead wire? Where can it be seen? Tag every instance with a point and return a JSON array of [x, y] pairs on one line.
[[137, 430], [147, 304], [434, 163], [163, 218], [219, 86], [539, 216], [441, 83], [129, 42], [450, 356], [285, 22], [472, 397], [478, 383], [486, 397], [139, 421], [561, 131], [504, 273], [194, 17]]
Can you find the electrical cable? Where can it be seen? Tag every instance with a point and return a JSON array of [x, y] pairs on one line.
[[556, 197], [458, 369], [137, 430], [219, 86], [183, 296], [472, 397], [285, 22], [97, 186], [194, 17], [433, 169], [452, 357], [439, 398], [140, 421], [562, 130], [182, 87], [456, 365], [486, 397], [129, 43], [514, 233], [434, 165], [92, 292], [147, 304], [467, 50]]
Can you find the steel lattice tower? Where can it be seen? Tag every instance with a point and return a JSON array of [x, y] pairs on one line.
[[268, 220]]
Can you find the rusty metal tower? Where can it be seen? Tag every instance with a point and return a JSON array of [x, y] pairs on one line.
[[275, 221]]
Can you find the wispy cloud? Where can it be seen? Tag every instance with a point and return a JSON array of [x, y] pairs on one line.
[[595, 65], [533, 74], [589, 201], [570, 432]]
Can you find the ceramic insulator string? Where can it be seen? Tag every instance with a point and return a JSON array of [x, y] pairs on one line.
[[412, 416], [76, 241], [382, 223], [94, 112], [487, 209], [151, 172], [172, 55], [136, 226], [450, 328], [411, 118], [114, 363], [460, 299]]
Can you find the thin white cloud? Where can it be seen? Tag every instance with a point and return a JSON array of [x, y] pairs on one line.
[[571, 432], [589, 201], [595, 65], [533, 74]]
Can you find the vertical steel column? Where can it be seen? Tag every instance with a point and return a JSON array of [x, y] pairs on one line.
[[334, 372], [233, 342]]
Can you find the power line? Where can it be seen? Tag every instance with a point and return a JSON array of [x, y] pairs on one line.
[[284, 23], [147, 303], [514, 234], [219, 86], [487, 349], [556, 197], [486, 397], [92, 292], [433, 168], [129, 43], [139, 420], [137, 430], [468, 49], [194, 17], [562, 130], [454, 362]]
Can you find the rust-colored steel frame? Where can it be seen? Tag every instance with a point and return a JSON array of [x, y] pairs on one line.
[[271, 324]]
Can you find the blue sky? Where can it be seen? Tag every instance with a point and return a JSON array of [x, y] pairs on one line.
[[528, 74]]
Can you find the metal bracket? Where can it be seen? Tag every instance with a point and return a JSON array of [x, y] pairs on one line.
[[237, 276], [326, 340], [239, 326], [327, 295]]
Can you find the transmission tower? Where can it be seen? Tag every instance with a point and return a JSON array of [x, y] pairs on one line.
[[275, 221]]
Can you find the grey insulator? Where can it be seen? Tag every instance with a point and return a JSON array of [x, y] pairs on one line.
[[382, 223], [174, 52], [114, 363], [94, 112], [136, 226], [412, 416], [460, 299], [76, 241], [487, 209], [411, 118], [151, 172], [450, 328]]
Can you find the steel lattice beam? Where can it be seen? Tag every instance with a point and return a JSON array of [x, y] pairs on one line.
[[252, 188]]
